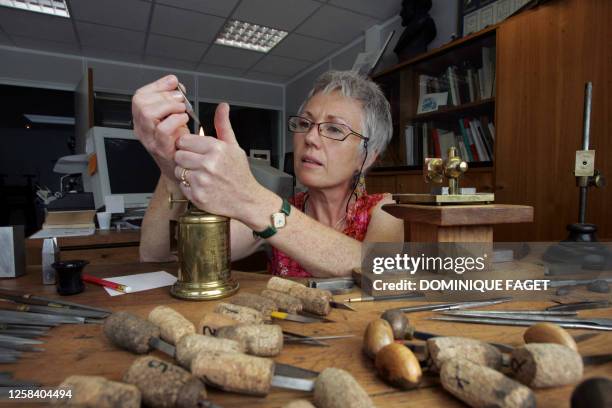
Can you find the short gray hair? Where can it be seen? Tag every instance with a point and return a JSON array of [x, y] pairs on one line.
[[376, 123]]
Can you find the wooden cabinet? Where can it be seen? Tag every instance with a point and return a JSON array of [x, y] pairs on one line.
[[544, 57]]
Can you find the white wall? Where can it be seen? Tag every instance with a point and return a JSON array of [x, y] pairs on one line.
[[297, 90], [444, 13], [63, 71]]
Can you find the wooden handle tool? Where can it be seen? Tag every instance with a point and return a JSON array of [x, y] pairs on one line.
[[549, 333], [210, 322], [399, 323], [242, 314], [171, 323], [190, 345], [593, 393], [130, 332], [378, 334], [540, 365], [263, 304], [314, 300], [336, 388], [288, 303], [441, 349], [94, 391], [483, 387], [164, 384], [397, 365], [264, 340], [234, 372]]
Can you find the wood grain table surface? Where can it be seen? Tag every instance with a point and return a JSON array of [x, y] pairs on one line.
[[83, 349]]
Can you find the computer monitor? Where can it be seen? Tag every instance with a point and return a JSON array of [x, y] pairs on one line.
[[124, 167], [271, 178]]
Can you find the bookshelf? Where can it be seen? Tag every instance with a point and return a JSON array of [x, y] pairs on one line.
[[543, 58], [450, 72]]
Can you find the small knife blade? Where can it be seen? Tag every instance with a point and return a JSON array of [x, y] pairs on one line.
[[291, 383], [288, 370], [188, 105], [340, 305]]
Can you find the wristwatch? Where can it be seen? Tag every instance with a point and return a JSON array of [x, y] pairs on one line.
[[279, 220]]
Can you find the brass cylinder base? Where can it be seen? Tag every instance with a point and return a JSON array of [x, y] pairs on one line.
[[204, 291], [204, 257]]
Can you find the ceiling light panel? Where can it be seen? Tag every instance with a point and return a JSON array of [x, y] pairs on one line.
[[249, 36], [53, 7]]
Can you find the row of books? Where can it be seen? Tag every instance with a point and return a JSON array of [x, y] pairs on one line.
[[468, 83], [473, 137]]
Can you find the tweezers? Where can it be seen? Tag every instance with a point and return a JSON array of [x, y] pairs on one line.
[[188, 105]]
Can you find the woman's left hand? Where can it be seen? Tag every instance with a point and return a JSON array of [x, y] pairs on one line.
[[218, 174]]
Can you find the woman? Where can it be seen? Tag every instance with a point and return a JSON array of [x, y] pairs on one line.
[[340, 130]]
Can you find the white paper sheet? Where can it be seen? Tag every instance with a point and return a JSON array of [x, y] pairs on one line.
[[63, 232], [142, 281], [114, 204]]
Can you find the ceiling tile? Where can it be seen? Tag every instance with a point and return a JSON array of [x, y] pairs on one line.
[[283, 14], [110, 38], [231, 57], [334, 24], [185, 24], [169, 62], [132, 14], [177, 48], [216, 7], [104, 53], [52, 46], [264, 76], [280, 65], [220, 70], [36, 25], [305, 48], [381, 9]]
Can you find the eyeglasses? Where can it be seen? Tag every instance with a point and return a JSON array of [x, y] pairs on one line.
[[330, 130]]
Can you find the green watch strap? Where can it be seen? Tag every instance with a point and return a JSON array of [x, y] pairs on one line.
[[271, 230]]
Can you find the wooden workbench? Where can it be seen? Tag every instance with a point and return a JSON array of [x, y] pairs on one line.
[[76, 349]]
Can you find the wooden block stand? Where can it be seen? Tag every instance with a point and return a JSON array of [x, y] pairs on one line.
[[456, 223]]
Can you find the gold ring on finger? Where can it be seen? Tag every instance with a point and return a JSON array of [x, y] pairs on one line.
[[184, 174]]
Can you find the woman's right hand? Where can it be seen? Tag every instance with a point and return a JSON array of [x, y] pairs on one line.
[[158, 110]]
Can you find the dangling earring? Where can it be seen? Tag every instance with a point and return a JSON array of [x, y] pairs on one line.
[[360, 190]]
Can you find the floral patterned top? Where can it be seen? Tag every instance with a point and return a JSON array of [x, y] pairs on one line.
[[356, 226]]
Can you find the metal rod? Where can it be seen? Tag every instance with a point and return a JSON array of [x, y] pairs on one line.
[[586, 133], [582, 205], [586, 136]]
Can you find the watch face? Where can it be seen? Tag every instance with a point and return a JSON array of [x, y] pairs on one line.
[[278, 220]]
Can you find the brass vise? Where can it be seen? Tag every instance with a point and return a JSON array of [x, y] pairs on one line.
[[435, 169]]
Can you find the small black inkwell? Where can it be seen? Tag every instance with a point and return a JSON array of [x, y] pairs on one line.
[[68, 276]]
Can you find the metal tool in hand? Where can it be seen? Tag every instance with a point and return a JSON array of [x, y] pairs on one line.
[[188, 105]]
